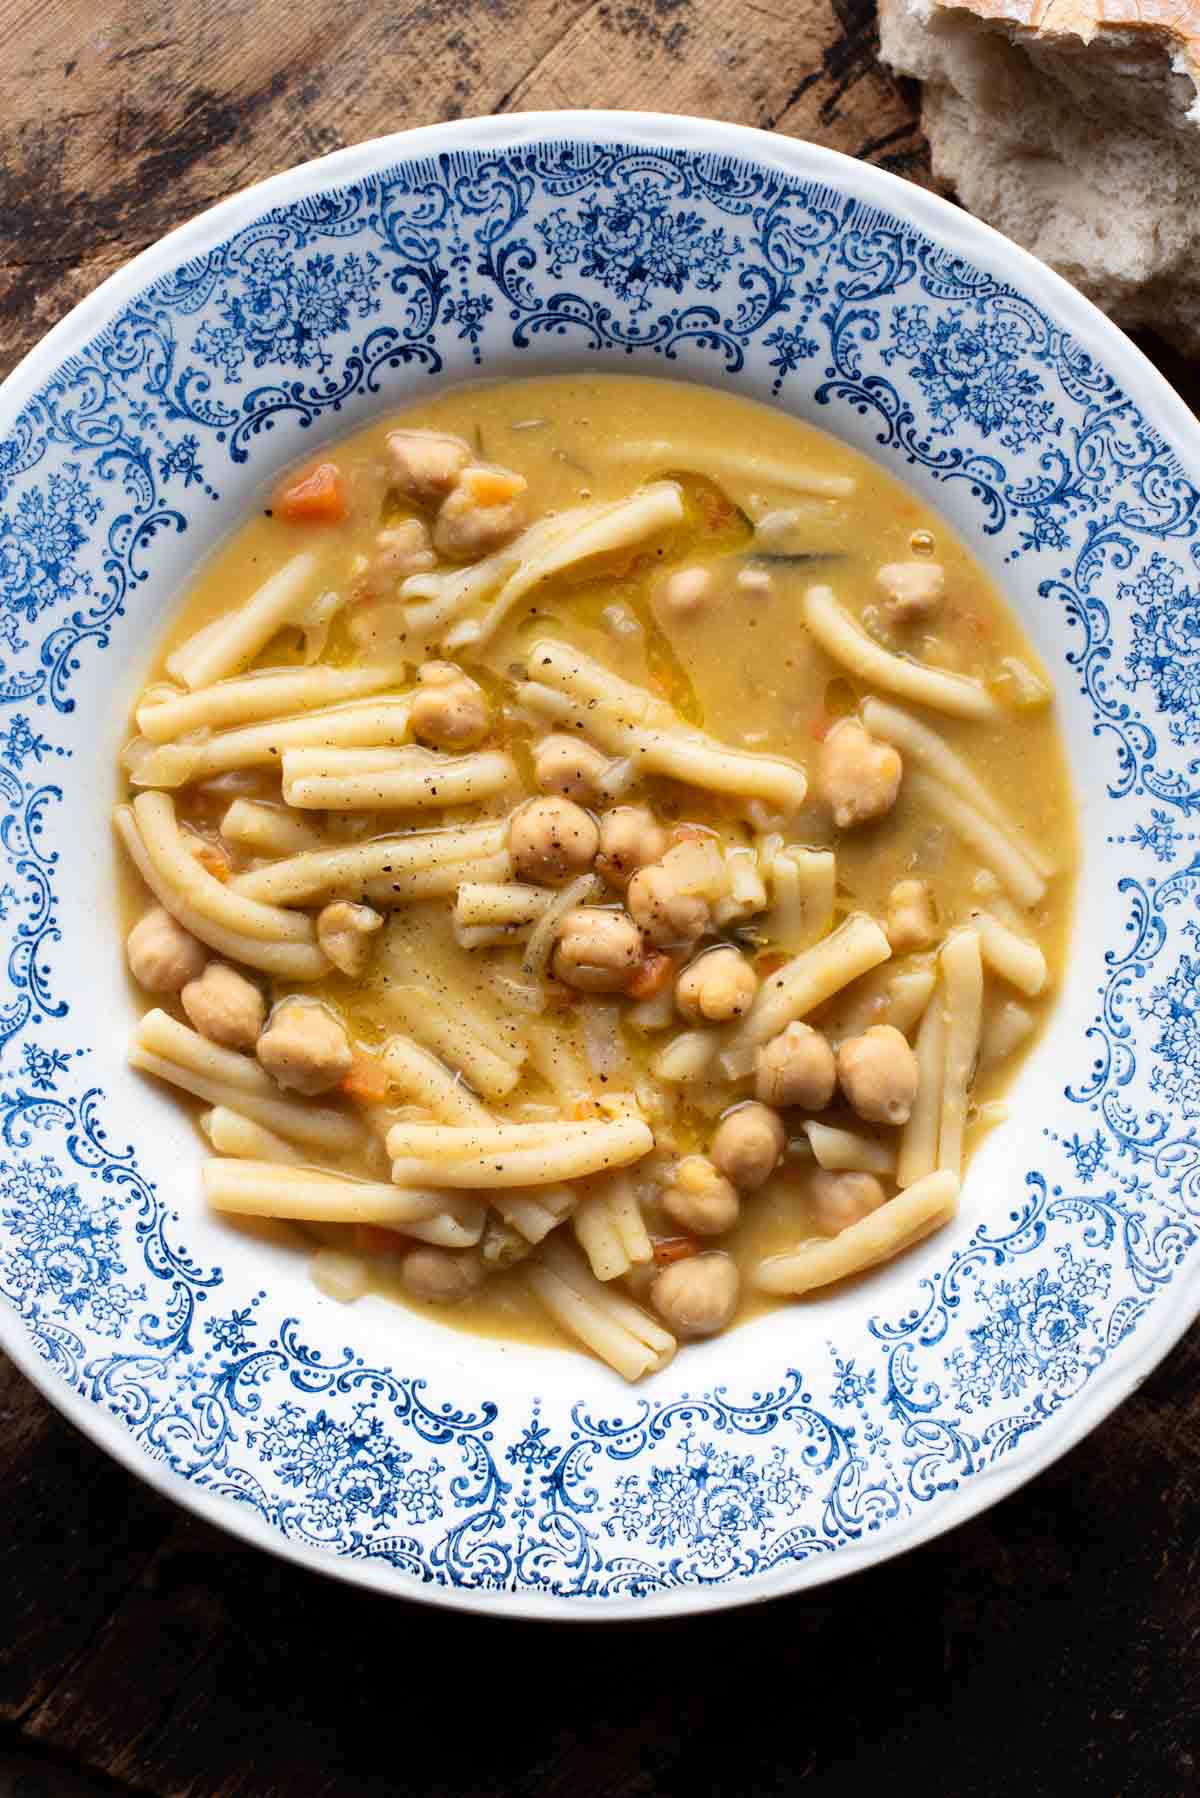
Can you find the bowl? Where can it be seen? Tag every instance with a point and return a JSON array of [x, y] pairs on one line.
[[387, 1449]]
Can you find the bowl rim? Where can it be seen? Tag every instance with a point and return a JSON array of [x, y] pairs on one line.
[[1157, 400]]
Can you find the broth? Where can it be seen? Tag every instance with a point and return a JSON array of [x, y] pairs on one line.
[[743, 666]]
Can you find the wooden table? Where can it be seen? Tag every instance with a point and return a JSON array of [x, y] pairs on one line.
[[1052, 1647]]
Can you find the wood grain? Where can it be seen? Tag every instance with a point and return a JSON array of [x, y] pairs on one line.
[[120, 121], [1050, 1647]]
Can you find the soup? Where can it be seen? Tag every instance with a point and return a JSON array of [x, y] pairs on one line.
[[596, 851]]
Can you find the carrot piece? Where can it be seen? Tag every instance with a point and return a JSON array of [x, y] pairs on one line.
[[674, 1248], [317, 497], [586, 1108], [650, 976], [367, 1080], [493, 486], [820, 726], [211, 856]]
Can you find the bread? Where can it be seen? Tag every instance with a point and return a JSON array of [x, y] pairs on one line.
[[1075, 129]]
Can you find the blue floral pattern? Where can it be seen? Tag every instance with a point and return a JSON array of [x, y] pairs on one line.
[[306, 320]]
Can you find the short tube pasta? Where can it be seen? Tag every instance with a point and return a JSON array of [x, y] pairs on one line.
[[227, 644], [174, 883], [746, 467], [611, 1231], [364, 724], [250, 698], [804, 983], [1008, 862], [846, 643], [268, 829], [313, 1126], [510, 1158], [488, 1062], [962, 979], [1012, 956], [533, 1215], [616, 1330], [425, 1080], [918, 1152], [232, 1133], [407, 779], [925, 1206], [848, 1149], [627, 720], [923, 748], [269, 1189], [327, 873]]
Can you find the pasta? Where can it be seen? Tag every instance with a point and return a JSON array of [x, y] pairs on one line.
[[962, 978], [841, 1149], [514, 1154], [1007, 861], [743, 466], [918, 1151], [363, 724], [198, 901], [395, 779], [850, 646], [250, 698], [613, 1328], [567, 692], [557, 909], [804, 983], [225, 645], [323, 873], [913, 1214], [924, 749]]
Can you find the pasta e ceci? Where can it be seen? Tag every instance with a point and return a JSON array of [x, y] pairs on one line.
[[600, 847]]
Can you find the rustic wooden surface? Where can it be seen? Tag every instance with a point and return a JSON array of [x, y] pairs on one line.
[[1051, 1647]]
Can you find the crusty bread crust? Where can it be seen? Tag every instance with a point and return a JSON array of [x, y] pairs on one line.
[[1073, 128], [1175, 22]]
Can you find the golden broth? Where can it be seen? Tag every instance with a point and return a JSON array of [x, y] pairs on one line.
[[746, 670]]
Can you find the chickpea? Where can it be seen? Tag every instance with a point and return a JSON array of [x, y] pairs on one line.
[[400, 549], [597, 950], [439, 1276], [163, 956], [857, 777], [630, 838], [687, 590], [697, 1297], [878, 1074], [747, 1144], [484, 511], [550, 840], [344, 932], [426, 464], [796, 1068], [719, 985], [564, 765], [671, 919], [912, 590], [224, 1006], [840, 1200], [304, 1046], [911, 923], [450, 710], [699, 1199]]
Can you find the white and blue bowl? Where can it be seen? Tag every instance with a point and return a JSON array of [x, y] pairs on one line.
[[373, 1443]]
